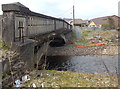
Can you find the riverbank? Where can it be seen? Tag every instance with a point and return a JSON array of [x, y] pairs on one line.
[[57, 79], [71, 50], [87, 45]]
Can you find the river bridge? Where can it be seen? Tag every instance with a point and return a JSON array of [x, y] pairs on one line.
[[30, 33]]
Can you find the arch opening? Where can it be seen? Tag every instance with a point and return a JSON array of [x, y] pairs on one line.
[[57, 42]]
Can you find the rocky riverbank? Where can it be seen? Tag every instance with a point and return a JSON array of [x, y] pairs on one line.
[[89, 37], [69, 50]]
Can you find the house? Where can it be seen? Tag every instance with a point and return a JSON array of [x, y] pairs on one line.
[[79, 22], [92, 24], [102, 21]]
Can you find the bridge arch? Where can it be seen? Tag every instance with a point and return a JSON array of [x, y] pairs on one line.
[[57, 41]]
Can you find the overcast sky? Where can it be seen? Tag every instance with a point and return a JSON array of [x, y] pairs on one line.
[[84, 9]]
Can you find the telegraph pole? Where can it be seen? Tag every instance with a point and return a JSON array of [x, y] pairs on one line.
[[73, 16]]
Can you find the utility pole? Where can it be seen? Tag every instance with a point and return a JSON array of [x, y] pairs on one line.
[[118, 15], [73, 16]]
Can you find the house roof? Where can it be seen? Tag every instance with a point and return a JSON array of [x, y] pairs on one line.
[[78, 21], [104, 20], [101, 20], [67, 19]]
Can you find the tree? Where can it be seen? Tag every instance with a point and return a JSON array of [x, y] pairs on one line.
[[105, 26], [111, 23]]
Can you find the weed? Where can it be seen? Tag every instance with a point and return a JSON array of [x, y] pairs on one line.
[[3, 45]]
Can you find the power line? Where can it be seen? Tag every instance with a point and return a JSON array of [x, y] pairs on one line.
[[64, 12]]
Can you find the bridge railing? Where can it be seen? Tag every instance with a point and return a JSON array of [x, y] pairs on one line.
[[20, 23]]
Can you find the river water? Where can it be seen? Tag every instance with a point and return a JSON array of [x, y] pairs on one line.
[[103, 64]]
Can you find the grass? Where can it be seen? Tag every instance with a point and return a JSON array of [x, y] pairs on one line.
[[52, 78], [86, 32], [104, 34]]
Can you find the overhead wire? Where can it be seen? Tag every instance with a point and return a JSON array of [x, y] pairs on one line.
[[70, 9], [64, 12]]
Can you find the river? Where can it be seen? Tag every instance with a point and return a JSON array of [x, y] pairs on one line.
[[84, 64]]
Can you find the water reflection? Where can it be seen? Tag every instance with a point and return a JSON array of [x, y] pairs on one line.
[[84, 64]]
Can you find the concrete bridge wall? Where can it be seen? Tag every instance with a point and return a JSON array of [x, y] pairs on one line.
[[21, 23]]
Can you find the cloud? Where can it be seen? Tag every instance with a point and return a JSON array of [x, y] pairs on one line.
[[84, 9]]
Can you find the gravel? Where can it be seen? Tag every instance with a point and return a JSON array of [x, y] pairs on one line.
[[80, 51]]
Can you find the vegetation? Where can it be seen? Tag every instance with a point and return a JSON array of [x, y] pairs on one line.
[[86, 32], [110, 24], [4, 75], [104, 36], [3, 45], [52, 78], [105, 26]]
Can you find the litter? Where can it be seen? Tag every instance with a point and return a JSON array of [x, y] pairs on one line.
[[91, 45], [33, 85], [25, 78], [18, 83]]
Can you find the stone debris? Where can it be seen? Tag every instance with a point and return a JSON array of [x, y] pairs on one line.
[[80, 51]]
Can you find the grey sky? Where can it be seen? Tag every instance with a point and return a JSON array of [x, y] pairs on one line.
[[84, 9]]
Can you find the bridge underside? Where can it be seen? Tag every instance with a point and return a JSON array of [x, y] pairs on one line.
[[56, 39], [57, 42]]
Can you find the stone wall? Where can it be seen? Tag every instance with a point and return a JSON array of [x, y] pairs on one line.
[[42, 51], [15, 65], [12, 68], [8, 28], [69, 38], [26, 52]]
